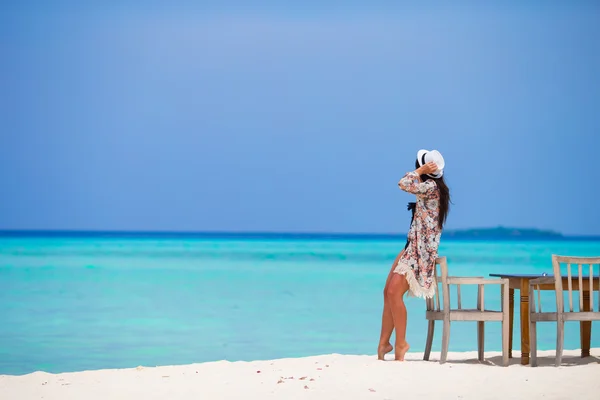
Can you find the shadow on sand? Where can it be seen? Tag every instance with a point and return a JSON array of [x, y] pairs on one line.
[[543, 361]]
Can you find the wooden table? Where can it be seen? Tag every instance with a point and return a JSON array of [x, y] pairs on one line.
[[521, 282]]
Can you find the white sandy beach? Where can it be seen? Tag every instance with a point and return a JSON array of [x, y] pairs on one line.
[[331, 376]]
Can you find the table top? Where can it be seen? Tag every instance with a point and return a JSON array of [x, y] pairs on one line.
[[534, 276]]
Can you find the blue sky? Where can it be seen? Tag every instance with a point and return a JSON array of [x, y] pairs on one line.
[[220, 116]]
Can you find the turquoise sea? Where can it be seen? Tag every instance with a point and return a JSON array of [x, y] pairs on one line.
[[81, 303]]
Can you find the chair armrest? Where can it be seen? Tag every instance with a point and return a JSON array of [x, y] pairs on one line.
[[541, 281], [460, 280]]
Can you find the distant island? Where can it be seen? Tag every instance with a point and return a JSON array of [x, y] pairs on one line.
[[502, 233]]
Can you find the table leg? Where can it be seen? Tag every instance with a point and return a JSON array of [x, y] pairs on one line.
[[511, 320], [585, 328], [524, 321]]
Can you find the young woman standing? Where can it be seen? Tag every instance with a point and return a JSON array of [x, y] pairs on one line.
[[414, 268]]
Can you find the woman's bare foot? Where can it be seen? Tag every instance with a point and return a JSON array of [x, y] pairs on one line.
[[382, 350], [401, 351]]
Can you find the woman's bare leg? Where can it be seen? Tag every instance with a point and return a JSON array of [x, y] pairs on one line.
[[387, 320], [397, 287], [387, 327]]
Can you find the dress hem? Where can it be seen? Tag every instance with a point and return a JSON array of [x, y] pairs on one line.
[[415, 290]]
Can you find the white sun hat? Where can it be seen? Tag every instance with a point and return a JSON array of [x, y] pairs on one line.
[[425, 156]]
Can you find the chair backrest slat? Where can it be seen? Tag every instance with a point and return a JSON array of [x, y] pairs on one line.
[[445, 288], [458, 295], [591, 287], [570, 283], [431, 301], [437, 287], [481, 299], [580, 272], [539, 299], [558, 284]]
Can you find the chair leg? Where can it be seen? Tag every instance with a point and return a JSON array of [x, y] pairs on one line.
[[429, 340], [533, 342], [445, 341], [560, 337], [505, 339], [480, 340]]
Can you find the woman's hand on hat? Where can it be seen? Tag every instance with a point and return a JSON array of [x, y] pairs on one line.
[[428, 168]]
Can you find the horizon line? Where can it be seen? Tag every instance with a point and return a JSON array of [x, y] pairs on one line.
[[70, 232]]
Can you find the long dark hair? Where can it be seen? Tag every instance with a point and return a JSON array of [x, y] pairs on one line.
[[444, 196]]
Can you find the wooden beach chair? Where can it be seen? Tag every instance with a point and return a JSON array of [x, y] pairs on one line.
[[585, 285], [480, 314]]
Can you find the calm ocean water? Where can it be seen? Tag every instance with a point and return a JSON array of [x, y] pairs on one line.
[[69, 304]]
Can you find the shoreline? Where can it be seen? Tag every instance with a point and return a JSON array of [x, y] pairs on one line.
[[325, 377]]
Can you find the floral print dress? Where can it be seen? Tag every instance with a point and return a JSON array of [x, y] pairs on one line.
[[417, 262]]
